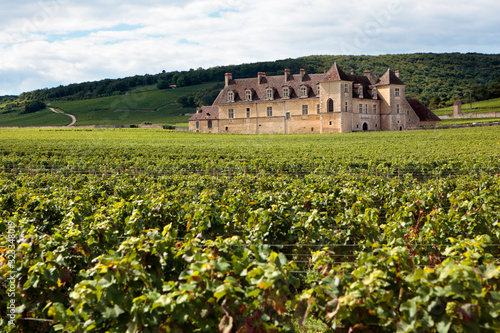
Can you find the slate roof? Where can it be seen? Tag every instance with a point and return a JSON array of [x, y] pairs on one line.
[[423, 113]]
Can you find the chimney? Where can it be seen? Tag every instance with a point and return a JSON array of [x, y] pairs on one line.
[[397, 74], [302, 74], [287, 75], [352, 71], [368, 73], [260, 76], [325, 70], [229, 77]]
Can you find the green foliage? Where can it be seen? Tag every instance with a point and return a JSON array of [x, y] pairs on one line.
[[427, 75], [34, 106], [108, 243]]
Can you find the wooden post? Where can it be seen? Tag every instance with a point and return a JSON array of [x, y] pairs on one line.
[[376, 172], [388, 174], [245, 171], [399, 173], [136, 171]]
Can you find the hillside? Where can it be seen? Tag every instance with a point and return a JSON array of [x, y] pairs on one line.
[[145, 105], [435, 79]]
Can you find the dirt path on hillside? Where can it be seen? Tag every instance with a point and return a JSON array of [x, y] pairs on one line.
[[67, 114]]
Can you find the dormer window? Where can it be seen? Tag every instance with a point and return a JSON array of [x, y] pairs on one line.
[[303, 91], [318, 89], [374, 93], [360, 91], [286, 92], [248, 95], [230, 96], [269, 93]]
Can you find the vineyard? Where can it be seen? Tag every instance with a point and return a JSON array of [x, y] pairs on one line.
[[157, 231]]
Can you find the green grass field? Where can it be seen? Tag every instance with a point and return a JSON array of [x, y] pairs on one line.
[[41, 118], [491, 105], [142, 105], [449, 122]]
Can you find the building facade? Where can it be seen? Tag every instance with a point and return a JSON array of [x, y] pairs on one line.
[[331, 102]]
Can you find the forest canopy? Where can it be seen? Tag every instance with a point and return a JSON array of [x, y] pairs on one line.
[[435, 79]]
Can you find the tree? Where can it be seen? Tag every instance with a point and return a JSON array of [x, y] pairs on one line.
[[34, 106], [162, 84]]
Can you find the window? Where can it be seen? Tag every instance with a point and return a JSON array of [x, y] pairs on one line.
[[269, 93], [248, 112], [374, 108], [230, 113], [396, 92], [366, 108], [197, 124], [397, 108], [288, 115], [318, 89], [303, 91], [230, 96], [269, 111], [227, 128], [360, 108], [330, 106], [360, 91], [345, 106], [286, 92], [346, 87], [248, 95], [317, 108], [209, 124], [305, 109], [374, 93]]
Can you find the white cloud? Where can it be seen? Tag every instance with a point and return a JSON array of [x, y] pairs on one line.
[[54, 42]]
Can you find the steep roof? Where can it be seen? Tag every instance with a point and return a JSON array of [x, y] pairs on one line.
[[363, 81], [293, 81], [389, 78], [335, 74], [423, 113], [206, 113]]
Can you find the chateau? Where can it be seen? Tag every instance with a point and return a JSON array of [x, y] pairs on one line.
[[331, 102]]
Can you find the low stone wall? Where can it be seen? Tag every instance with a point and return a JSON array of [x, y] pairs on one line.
[[457, 126], [473, 115]]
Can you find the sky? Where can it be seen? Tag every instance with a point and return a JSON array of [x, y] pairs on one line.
[[47, 43]]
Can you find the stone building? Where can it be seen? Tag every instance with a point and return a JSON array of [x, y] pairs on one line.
[[331, 102]]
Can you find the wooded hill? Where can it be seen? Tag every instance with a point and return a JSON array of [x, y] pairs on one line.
[[435, 79]]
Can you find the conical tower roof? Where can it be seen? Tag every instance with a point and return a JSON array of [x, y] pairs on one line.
[[335, 74], [389, 78]]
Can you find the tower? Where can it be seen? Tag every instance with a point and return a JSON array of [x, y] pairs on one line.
[[336, 100], [393, 113]]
